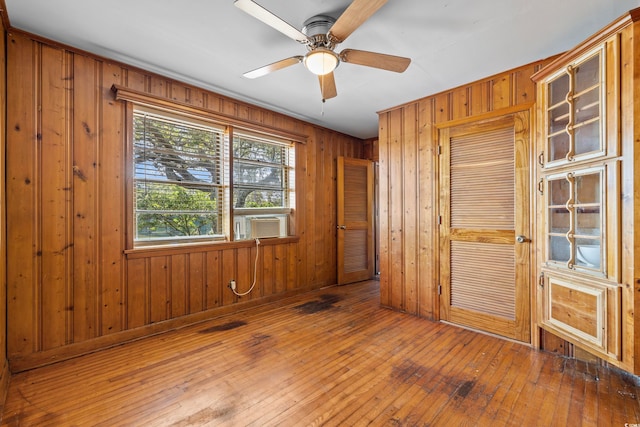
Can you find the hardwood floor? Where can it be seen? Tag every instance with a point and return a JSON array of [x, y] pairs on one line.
[[330, 357]]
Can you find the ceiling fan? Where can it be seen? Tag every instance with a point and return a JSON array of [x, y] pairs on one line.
[[321, 34]]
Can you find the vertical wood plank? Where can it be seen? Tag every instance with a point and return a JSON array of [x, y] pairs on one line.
[[297, 225], [410, 206], [524, 88], [267, 283], [318, 224], [427, 233], [56, 243], [460, 104], [178, 92], [330, 189], [501, 90], [136, 80], [159, 292], [292, 262], [223, 268], [384, 195], [310, 204], [396, 208], [111, 184], [280, 269], [443, 107], [22, 175], [137, 284], [4, 371], [196, 97], [158, 86], [178, 285], [196, 282], [214, 283], [85, 186], [258, 288], [479, 98], [244, 277]]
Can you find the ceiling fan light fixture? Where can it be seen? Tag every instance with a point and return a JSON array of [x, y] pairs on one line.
[[321, 61]]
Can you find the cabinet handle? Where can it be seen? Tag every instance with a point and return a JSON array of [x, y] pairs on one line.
[[521, 239], [541, 187], [541, 158]]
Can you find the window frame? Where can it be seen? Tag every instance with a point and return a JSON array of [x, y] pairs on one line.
[[140, 101]]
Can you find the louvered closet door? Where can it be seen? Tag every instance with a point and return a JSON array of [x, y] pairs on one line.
[[484, 204], [355, 220]]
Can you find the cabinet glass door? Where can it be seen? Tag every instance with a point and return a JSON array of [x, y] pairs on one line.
[[575, 219], [574, 111]]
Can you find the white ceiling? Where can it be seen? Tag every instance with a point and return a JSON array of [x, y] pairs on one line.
[[211, 43]]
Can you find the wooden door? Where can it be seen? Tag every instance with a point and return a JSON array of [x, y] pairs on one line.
[[484, 236], [355, 220]]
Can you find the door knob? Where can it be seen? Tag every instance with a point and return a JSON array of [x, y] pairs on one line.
[[342, 227], [521, 239]]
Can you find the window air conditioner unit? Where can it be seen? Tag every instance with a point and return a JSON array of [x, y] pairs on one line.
[[266, 227]]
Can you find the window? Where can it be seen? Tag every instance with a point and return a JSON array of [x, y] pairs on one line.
[[263, 175], [178, 179], [182, 189]]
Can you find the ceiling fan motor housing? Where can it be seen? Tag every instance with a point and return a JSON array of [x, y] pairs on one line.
[[316, 29]]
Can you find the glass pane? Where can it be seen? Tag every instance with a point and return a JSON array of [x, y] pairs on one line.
[[153, 226], [587, 138], [558, 118], [558, 89], [559, 220], [559, 146], [559, 191], [172, 151], [588, 221], [253, 198], [587, 74], [588, 253], [587, 106], [588, 188], [168, 210], [559, 249], [153, 196], [264, 152], [258, 175]]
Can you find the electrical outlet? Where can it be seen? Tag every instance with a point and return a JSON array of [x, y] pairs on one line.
[[232, 284]]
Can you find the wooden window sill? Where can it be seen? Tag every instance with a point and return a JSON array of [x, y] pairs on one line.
[[173, 249]]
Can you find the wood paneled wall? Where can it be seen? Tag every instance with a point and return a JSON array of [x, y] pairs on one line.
[[71, 286], [408, 181], [4, 366]]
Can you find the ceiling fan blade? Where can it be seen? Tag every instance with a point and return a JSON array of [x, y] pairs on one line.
[[376, 60], [357, 12], [328, 86], [279, 65], [259, 12]]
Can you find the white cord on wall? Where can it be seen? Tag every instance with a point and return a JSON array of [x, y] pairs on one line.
[[255, 273]]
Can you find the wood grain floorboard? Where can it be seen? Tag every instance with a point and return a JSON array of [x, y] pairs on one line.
[[330, 357]]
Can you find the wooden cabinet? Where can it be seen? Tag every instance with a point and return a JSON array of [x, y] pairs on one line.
[[585, 148]]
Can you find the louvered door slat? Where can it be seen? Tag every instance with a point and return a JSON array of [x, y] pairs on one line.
[[482, 278], [482, 176]]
